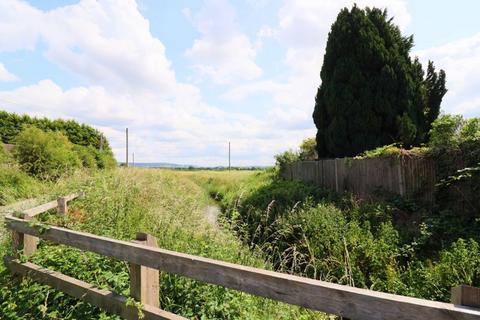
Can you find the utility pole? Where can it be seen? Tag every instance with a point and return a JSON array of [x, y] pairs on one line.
[[126, 143], [229, 163], [133, 159]]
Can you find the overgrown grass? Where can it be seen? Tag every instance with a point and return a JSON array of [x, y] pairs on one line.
[[393, 246], [171, 206]]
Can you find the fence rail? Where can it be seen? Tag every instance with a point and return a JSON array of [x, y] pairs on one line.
[[350, 302]]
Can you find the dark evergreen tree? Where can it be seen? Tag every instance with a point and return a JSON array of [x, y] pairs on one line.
[[435, 86], [372, 92]]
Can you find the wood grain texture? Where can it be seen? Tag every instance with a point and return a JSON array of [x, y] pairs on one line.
[[144, 281], [62, 206], [40, 209], [51, 205], [350, 302], [30, 243], [105, 299], [466, 296]]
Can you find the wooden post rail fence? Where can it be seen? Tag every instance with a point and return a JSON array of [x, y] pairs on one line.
[[350, 302], [30, 243]]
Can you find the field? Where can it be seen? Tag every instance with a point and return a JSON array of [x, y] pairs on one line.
[[168, 204]]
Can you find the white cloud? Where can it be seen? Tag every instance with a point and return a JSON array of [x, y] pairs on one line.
[[160, 130], [131, 81], [6, 75], [303, 27], [20, 25], [461, 61], [222, 53]]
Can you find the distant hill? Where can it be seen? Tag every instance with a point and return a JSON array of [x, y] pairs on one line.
[[160, 165], [189, 167]]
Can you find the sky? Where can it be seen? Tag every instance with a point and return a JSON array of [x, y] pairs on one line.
[[187, 77]]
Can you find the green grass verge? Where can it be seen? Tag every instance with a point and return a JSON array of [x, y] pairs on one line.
[[168, 204]]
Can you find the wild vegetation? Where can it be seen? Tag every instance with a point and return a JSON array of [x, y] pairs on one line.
[[393, 246], [48, 147], [119, 203]]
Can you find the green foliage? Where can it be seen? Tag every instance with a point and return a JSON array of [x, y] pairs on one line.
[[47, 155], [118, 204], [393, 246], [393, 150], [307, 149], [89, 143], [407, 130], [86, 156], [306, 152], [470, 130], [4, 157], [15, 184], [12, 124], [435, 87], [286, 157], [104, 158], [372, 93], [445, 132]]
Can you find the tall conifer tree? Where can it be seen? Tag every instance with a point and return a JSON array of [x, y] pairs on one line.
[[372, 92]]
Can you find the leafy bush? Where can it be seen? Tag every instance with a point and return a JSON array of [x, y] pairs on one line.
[[88, 142], [104, 158], [286, 157], [46, 155], [86, 156], [308, 149], [470, 130], [445, 131]]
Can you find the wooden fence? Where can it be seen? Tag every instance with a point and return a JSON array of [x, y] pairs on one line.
[[406, 176], [146, 260]]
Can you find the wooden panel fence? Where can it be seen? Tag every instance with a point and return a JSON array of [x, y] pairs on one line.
[[144, 258], [406, 176]]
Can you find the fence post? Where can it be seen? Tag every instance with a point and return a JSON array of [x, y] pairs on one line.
[[24, 241], [466, 296], [62, 205], [144, 282]]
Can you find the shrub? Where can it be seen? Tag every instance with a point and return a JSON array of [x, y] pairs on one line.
[[3, 154], [12, 124], [286, 157], [86, 156], [46, 155], [470, 130], [307, 149], [445, 131], [105, 159]]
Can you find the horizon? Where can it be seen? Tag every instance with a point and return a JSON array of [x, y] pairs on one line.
[[186, 80]]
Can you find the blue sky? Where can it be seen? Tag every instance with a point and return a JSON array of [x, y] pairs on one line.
[[186, 77]]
